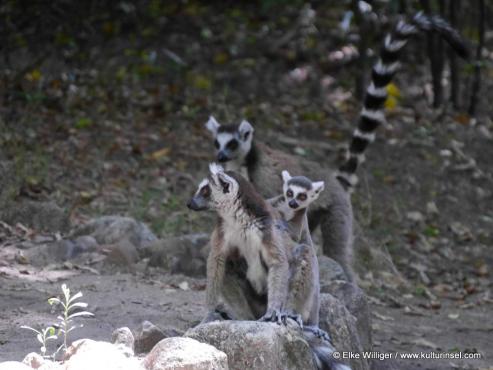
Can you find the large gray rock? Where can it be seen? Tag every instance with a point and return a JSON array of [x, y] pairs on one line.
[[38, 215], [341, 326], [180, 255], [108, 230], [354, 299], [185, 354], [256, 345]]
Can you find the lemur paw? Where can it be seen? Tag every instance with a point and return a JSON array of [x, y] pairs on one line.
[[274, 316], [319, 333], [293, 316]]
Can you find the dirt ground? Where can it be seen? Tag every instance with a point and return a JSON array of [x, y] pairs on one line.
[[125, 135]]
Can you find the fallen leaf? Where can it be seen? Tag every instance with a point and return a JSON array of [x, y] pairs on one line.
[[164, 152]]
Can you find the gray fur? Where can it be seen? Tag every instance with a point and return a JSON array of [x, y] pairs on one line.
[[332, 212], [246, 222]]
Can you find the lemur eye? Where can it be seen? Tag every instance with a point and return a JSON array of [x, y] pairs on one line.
[[301, 196], [289, 193], [205, 191], [232, 144], [216, 144]]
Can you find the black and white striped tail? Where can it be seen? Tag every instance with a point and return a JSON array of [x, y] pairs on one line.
[[323, 350], [373, 114]]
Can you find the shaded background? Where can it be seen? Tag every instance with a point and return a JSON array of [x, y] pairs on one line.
[[103, 104]]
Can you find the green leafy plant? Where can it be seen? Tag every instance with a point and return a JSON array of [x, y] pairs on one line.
[[43, 336], [66, 321]]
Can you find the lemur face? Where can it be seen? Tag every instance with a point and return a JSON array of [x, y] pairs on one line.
[[300, 191], [232, 142], [218, 190], [201, 199]]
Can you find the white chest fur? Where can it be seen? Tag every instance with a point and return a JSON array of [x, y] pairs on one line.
[[248, 241]]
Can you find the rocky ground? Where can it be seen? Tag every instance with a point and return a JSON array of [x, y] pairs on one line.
[[123, 135]]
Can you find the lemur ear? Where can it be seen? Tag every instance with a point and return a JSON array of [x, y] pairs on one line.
[[318, 186], [245, 130], [212, 125], [225, 181], [215, 169], [285, 176]]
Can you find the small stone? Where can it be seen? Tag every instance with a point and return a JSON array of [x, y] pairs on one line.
[[147, 337], [34, 360], [124, 339], [431, 208], [415, 216]]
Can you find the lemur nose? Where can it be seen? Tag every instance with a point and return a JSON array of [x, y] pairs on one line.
[[190, 204], [222, 157], [293, 204]]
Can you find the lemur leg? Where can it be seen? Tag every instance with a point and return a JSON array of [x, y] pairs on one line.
[[303, 286], [336, 224], [238, 297], [216, 268], [277, 279]]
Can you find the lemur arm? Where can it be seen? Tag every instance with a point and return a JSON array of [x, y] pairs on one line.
[[305, 236], [278, 276], [216, 263]]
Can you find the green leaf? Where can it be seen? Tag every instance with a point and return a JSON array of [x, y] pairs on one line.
[[82, 313], [81, 123], [78, 295]]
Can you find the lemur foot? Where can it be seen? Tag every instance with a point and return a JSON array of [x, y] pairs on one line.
[[295, 317], [319, 333], [274, 316], [218, 314]]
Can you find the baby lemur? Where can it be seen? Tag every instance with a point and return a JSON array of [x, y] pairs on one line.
[[298, 193], [333, 212], [277, 277]]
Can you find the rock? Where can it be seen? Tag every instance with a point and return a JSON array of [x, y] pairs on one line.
[[256, 345], [38, 215], [86, 354], [123, 338], [44, 254], [109, 230], [34, 360], [14, 365], [49, 365], [180, 255], [354, 299], [341, 325], [330, 270], [185, 353], [149, 335]]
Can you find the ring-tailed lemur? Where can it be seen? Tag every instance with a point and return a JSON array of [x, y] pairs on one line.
[[333, 212], [304, 290], [249, 229]]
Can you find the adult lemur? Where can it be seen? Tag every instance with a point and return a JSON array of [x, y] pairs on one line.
[[250, 233], [333, 212]]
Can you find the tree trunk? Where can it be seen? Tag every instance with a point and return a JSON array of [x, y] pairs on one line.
[[476, 85]]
